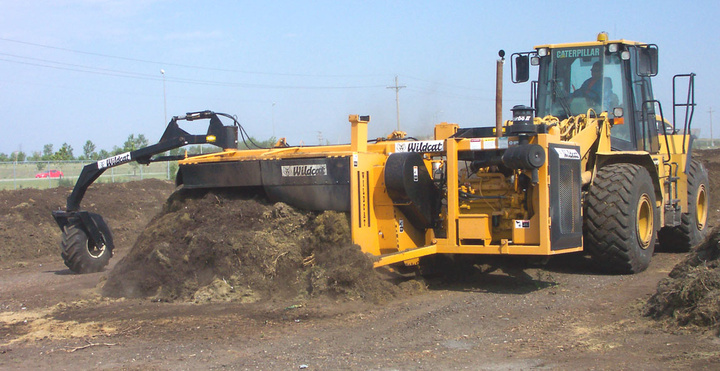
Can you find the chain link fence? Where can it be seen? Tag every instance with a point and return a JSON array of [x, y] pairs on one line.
[[29, 174]]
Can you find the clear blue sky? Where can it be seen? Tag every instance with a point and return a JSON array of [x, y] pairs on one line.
[[78, 70]]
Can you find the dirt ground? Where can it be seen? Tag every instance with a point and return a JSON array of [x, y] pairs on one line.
[[564, 315]]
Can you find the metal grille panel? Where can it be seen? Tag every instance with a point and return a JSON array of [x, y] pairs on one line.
[[564, 168]]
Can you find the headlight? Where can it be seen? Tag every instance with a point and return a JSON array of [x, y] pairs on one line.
[[542, 52], [613, 48]]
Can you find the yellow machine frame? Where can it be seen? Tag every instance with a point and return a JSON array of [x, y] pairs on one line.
[[381, 229]]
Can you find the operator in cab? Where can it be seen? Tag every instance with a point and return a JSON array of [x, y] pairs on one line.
[[597, 89]]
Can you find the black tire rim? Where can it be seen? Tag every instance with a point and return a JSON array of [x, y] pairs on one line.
[[95, 252]]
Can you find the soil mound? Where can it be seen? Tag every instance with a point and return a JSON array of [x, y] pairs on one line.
[[691, 293], [28, 230], [220, 246]]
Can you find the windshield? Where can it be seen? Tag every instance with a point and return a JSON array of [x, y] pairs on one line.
[[573, 80]]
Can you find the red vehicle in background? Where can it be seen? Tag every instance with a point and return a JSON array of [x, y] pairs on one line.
[[50, 174]]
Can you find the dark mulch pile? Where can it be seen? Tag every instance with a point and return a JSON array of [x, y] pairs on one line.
[[690, 296], [222, 246]]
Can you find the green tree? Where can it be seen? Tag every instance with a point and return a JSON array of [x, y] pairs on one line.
[[40, 157], [133, 143], [36, 156], [103, 154], [47, 152], [4, 157], [64, 153], [21, 156], [89, 150], [142, 141]]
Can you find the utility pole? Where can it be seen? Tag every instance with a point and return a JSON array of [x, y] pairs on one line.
[[397, 99], [712, 141]]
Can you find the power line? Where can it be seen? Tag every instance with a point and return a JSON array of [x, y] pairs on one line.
[[160, 63], [141, 76], [77, 67], [204, 82]]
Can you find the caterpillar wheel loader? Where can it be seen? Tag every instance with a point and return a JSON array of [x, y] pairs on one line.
[[590, 165]]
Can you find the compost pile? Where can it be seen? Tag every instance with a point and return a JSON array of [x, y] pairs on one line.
[[690, 296], [28, 230], [220, 246]]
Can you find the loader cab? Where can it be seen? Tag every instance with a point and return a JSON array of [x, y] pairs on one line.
[[597, 77]]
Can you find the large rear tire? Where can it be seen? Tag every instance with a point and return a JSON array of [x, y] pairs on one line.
[[621, 218], [693, 224], [80, 254]]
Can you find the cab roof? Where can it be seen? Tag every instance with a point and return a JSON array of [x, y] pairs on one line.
[[602, 39]]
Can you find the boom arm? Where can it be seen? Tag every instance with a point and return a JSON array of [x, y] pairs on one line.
[[173, 137]]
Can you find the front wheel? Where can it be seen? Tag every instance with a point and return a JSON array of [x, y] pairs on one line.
[[621, 218], [80, 253]]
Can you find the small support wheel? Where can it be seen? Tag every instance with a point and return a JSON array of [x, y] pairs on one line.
[[80, 253]]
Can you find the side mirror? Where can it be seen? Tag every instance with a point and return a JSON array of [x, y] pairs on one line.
[[647, 64], [521, 67]]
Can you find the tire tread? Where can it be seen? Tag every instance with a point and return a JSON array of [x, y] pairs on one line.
[[608, 227]]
